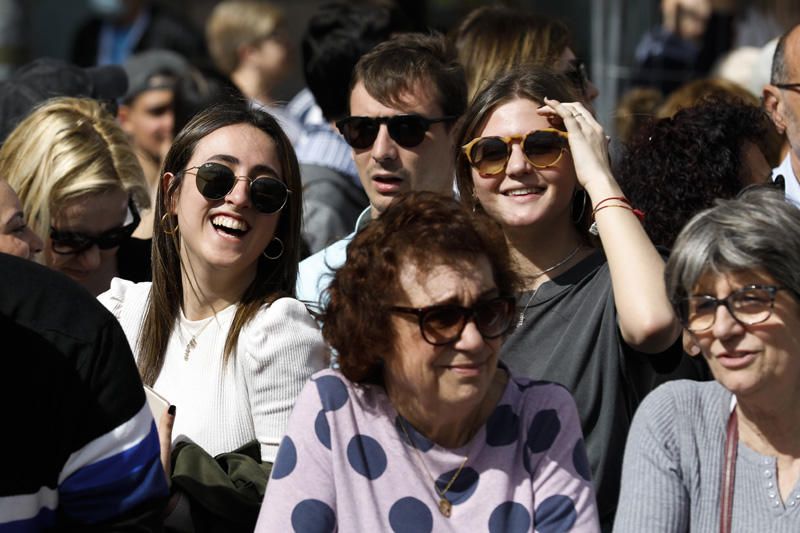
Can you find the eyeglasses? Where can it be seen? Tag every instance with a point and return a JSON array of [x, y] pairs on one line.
[[749, 305], [443, 324], [578, 75], [215, 181], [542, 148], [787, 85], [72, 242], [406, 130]]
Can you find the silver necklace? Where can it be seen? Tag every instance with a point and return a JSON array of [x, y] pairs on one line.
[[542, 273], [192, 344]]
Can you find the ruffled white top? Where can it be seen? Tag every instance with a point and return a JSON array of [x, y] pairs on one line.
[[223, 408]]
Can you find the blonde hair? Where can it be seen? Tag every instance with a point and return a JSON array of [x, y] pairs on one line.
[[67, 148], [235, 23], [491, 40]]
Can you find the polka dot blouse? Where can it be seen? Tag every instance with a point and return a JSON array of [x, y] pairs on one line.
[[346, 464]]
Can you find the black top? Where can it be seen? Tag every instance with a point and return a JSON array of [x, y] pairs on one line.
[[570, 336], [69, 380]]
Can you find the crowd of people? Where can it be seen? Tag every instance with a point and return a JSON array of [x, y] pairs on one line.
[[429, 294]]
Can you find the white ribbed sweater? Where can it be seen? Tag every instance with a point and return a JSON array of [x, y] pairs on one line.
[[218, 409]]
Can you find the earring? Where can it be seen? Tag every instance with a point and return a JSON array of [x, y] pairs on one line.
[[577, 217], [270, 252], [171, 230], [475, 202]]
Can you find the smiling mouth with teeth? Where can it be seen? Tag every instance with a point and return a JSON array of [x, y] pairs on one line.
[[523, 192], [230, 225]]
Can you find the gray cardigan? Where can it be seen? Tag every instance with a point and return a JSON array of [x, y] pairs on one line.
[[673, 465]]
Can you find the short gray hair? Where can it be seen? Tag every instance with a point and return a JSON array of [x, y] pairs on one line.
[[758, 230]]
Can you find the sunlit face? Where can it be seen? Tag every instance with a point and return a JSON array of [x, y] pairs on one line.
[[149, 120], [524, 195], [16, 238], [458, 374], [751, 359], [387, 169], [228, 234], [90, 214]]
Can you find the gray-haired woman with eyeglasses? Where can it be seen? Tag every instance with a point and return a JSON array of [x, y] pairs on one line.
[[725, 455]]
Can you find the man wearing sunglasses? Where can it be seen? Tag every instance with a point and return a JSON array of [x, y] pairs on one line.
[[782, 103], [405, 96]]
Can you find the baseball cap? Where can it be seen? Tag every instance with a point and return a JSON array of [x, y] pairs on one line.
[[153, 69]]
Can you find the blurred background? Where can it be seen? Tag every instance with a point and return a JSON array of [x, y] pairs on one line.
[[605, 32]]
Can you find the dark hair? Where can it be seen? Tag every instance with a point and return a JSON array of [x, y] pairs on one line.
[[677, 166], [273, 277], [336, 37], [492, 39], [393, 68], [529, 82], [423, 229]]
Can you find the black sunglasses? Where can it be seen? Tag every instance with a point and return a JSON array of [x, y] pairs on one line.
[[215, 181], [443, 324], [406, 130], [72, 242]]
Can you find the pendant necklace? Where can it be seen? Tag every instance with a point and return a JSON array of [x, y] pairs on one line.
[[445, 505], [541, 273], [192, 344]]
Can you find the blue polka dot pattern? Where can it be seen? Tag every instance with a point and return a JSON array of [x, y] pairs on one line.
[[322, 429], [581, 461], [556, 514], [543, 431], [286, 459], [409, 515], [422, 442], [332, 392], [502, 427], [313, 516], [462, 488], [366, 456], [509, 517]]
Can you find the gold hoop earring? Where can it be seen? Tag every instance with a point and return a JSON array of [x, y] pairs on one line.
[[169, 231], [275, 242]]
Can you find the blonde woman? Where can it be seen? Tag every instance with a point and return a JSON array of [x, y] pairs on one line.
[[81, 188]]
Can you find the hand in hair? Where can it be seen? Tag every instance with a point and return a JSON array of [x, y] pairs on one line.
[[588, 143]]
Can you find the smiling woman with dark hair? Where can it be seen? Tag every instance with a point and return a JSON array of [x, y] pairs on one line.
[[422, 421], [217, 333]]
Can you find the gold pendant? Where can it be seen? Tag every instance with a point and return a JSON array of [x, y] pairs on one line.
[[445, 507]]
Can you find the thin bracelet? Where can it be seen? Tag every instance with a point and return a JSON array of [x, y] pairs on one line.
[[639, 213], [593, 228], [604, 200]]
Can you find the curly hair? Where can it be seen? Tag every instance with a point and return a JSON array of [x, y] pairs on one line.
[[422, 229], [678, 166]]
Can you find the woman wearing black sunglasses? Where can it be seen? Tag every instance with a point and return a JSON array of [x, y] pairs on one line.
[[217, 333], [80, 185], [422, 422], [593, 314]]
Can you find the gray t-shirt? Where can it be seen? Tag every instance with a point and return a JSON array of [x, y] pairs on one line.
[[673, 467], [570, 336]]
